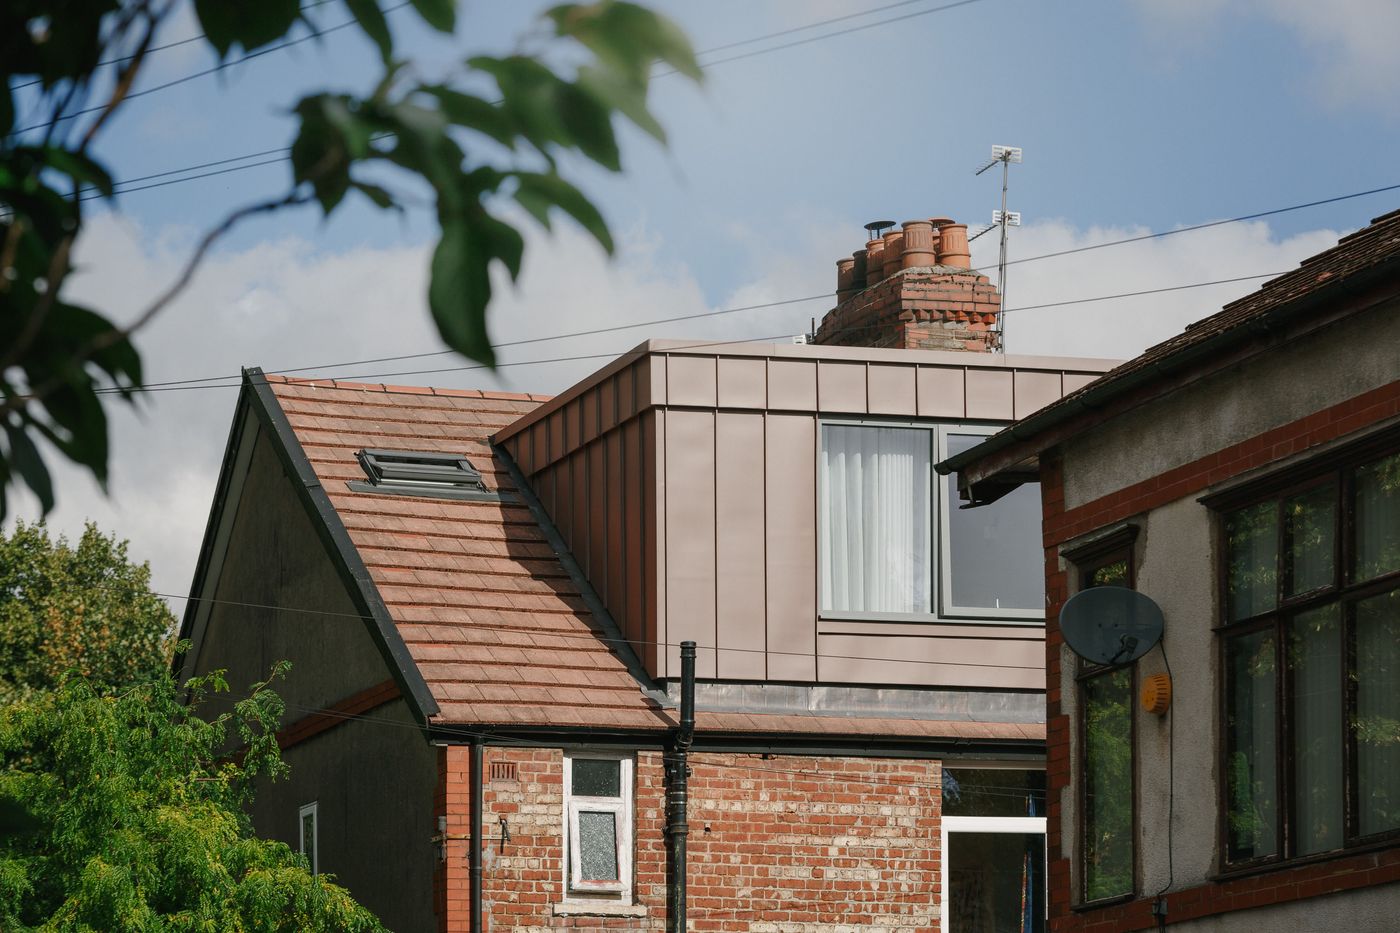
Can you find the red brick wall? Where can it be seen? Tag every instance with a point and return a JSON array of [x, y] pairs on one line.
[[917, 311], [1060, 526], [800, 842]]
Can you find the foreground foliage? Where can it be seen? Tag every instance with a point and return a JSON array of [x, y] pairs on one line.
[[136, 822], [84, 608], [67, 69]]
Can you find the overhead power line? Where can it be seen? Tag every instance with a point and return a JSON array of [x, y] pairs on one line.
[[213, 382], [222, 66]]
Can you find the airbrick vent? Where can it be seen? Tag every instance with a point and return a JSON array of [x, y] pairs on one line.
[[422, 473]]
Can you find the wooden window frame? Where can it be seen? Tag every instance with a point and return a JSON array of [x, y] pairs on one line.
[[1337, 467], [1087, 559], [314, 858], [621, 806]]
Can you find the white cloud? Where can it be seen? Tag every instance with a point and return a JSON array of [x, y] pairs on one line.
[[285, 303], [1352, 42]]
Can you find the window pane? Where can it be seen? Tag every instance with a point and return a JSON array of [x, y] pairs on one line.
[[996, 882], [1378, 713], [1251, 746], [875, 496], [1315, 671], [1114, 574], [597, 846], [1108, 784], [1251, 537], [597, 778], [994, 550], [308, 838], [1378, 518], [993, 792], [1310, 524]]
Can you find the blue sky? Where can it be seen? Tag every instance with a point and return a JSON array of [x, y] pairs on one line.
[[1135, 116]]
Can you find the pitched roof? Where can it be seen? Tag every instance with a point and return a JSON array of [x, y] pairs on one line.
[[1355, 258], [497, 628]]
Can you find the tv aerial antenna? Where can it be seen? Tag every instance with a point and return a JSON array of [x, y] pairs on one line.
[[1004, 219]]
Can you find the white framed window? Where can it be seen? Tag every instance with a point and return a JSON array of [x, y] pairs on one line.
[[306, 836], [598, 824], [893, 543]]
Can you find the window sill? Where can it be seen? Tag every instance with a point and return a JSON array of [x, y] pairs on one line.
[[598, 909], [1104, 902], [1248, 871], [932, 618]]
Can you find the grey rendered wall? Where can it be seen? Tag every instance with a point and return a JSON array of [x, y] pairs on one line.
[[1366, 910], [376, 782], [1336, 364], [1176, 566]]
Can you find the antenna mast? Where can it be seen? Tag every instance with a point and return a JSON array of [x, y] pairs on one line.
[[1004, 219]]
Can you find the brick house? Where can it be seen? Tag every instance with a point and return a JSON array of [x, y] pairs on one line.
[[1245, 475], [483, 596]]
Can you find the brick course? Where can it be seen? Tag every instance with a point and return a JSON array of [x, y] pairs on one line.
[[798, 844], [932, 308]]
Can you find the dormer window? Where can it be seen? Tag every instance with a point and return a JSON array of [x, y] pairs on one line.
[[421, 473]]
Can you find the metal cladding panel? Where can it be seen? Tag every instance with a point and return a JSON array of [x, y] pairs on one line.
[[990, 394], [1076, 381], [557, 445], [690, 380], [607, 404], [616, 548], [589, 404], [690, 537], [743, 383], [598, 519], [653, 442], [994, 664], [739, 535], [891, 390], [627, 392], [792, 385], [562, 498], [790, 539], [635, 492], [1035, 390], [841, 387], [578, 505], [942, 393], [573, 427]]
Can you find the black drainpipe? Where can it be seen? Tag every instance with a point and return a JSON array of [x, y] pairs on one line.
[[677, 774], [474, 856]]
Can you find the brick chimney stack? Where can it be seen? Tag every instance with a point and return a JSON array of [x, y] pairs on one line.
[[913, 290]]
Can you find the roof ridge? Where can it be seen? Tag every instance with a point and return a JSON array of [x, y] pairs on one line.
[[393, 389]]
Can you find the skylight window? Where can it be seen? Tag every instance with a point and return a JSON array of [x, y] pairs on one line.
[[421, 473]]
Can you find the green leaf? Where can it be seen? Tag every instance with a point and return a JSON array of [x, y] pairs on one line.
[[626, 97], [380, 196], [7, 109], [439, 14], [471, 112], [461, 289], [30, 466], [78, 167], [320, 153], [627, 37], [537, 192], [372, 21], [590, 125], [248, 23]]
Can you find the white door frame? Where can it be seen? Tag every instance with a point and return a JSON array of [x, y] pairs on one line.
[[980, 824]]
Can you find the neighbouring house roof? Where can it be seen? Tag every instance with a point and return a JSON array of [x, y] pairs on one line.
[[500, 631], [1357, 262]]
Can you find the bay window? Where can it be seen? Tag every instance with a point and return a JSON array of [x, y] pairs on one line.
[[895, 543], [1311, 653]]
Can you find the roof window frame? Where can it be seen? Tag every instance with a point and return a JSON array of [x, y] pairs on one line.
[[420, 473]]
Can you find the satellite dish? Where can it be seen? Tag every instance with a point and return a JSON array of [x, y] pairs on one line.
[[1111, 624]]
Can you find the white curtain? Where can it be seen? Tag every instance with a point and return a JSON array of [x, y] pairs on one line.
[[875, 495]]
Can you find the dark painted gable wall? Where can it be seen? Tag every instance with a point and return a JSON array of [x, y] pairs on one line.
[[373, 781]]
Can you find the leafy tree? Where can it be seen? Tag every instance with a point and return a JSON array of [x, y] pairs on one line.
[[409, 134], [85, 609], [139, 822]]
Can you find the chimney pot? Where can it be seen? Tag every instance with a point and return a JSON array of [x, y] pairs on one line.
[[894, 246], [845, 275], [858, 269], [952, 246], [918, 244], [874, 262]]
